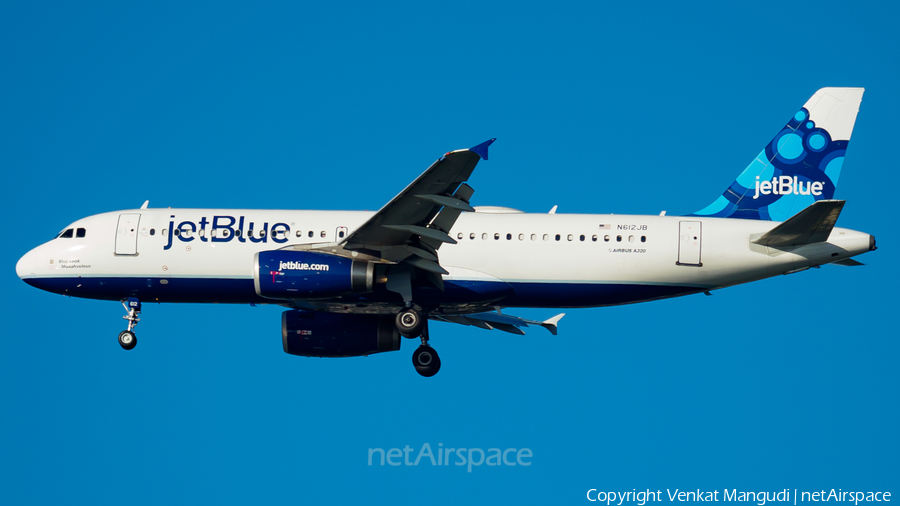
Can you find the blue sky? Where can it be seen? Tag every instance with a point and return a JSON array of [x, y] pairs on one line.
[[786, 383]]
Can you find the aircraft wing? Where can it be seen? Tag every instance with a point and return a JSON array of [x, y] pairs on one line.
[[415, 222], [491, 320]]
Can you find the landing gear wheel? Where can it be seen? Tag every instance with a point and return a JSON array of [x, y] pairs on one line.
[[426, 361], [127, 339], [410, 323]]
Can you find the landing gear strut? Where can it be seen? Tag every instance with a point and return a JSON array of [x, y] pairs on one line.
[[425, 358], [127, 339]]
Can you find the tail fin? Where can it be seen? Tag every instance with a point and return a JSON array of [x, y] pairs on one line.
[[801, 165]]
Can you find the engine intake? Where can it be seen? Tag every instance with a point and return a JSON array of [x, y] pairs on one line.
[[312, 334], [288, 274]]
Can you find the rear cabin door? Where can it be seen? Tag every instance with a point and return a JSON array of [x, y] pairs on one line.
[[689, 241], [127, 234]]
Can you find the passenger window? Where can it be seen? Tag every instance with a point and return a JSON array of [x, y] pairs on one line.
[[546, 237], [521, 237], [152, 231], [213, 233], [79, 233], [322, 235], [630, 238], [458, 236], [310, 233], [594, 238], [237, 233], [299, 233], [534, 237], [177, 231], [557, 237], [496, 236], [582, 237], [569, 237], [508, 237], [472, 235], [164, 231], [643, 238], [618, 238], [484, 236], [605, 238]]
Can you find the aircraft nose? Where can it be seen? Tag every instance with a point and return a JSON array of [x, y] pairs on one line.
[[25, 265], [872, 246]]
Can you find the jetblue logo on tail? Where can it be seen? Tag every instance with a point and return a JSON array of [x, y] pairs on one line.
[[787, 185], [799, 166]]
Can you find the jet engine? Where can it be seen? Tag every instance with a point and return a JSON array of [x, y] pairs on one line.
[[289, 274], [313, 334]]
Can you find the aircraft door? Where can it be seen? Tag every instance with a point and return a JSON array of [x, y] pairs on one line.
[[340, 234], [689, 241], [127, 234]]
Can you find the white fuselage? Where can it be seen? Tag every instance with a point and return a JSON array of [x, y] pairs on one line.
[[549, 260]]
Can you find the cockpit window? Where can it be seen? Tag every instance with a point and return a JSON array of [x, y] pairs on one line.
[[67, 233], [79, 233]]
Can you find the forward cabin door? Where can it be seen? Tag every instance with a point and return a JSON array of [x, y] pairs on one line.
[[127, 234], [689, 241]]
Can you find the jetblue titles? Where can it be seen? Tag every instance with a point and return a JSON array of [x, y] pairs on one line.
[[226, 229], [302, 266], [787, 185]]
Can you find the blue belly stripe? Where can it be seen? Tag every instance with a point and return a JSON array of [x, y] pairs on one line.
[[241, 291]]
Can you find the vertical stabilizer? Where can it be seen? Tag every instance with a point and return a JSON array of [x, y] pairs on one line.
[[799, 166]]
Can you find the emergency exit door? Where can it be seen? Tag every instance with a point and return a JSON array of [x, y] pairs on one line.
[[127, 234], [689, 242]]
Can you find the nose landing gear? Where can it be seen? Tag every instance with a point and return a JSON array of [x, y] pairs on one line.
[[127, 339]]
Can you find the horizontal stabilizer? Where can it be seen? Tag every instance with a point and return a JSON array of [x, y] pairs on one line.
[[848, 262], [811, 225]]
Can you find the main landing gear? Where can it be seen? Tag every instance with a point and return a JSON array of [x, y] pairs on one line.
[[426, 360], [127, 339], [412, 324]]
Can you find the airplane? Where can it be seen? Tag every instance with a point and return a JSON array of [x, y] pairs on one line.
[[354, 283]]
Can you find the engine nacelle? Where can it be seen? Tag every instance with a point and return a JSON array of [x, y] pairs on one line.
[[288, 274], [312, 334]]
